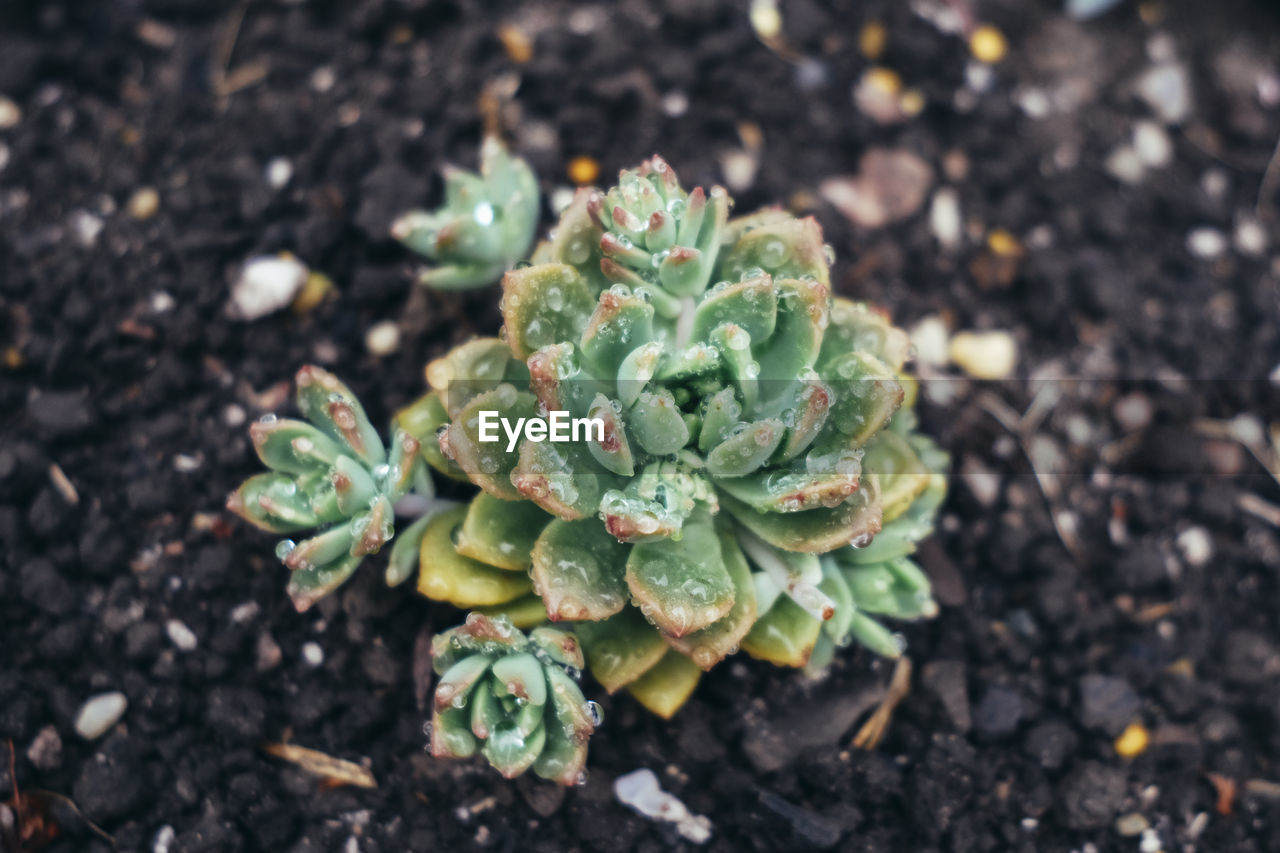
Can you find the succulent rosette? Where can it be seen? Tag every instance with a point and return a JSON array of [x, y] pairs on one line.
[[513, 698], [756, 446], [485, 224], [330, 471]]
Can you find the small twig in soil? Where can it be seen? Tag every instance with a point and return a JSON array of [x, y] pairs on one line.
[[1265, 207], [226, 80], [63, 484], [1264, 510], [335, 771], [875, 728]]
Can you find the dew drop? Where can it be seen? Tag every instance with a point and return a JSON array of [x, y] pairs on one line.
[[581, 780], [483, 213], [829, 254], [284, 548], [267, 419], [595, 712]]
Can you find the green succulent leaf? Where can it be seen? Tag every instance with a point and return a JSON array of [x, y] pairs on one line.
[[446, 575], [488, 463], [681, 585], [667, 685], [785, 635], [423, 419], [708, 646], [813, 530], [500, 533], [543, 305], [577, 570], [621, 648]]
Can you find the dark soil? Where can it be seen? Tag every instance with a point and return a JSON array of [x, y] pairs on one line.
[[123, 370]]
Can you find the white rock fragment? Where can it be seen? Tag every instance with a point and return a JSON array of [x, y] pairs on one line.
[[163, 841], [85, 227], [929, 338], [945, 219], [1152, 144], [1206, 243], [1133, 412], [739, 168], [181, 636], [1195, 545], [1250, 238], [891, 185], [312, 654], [1125, 165], [99, 714], [246, 612], [1033, 101], [10, 113], [45, 751], [640, 790], [983, 483], [984, 355], [266, 284], [382, 338], [1167, 90], [279, 172], [675, 104]]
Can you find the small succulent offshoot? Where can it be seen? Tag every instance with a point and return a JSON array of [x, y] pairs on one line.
[[485, 225], [513, 697], [330, 471], [759, 482]]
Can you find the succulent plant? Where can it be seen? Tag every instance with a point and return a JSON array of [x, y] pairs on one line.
[[754, 444], [331, 470], [754, 478], [513, 697], [485, 225]]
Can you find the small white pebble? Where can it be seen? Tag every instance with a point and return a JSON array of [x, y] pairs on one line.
[[1150, 842], [929, 338], [1206, 243], [323, 78], [10, 113], [1153, 145], [641, 791], [233, 415], [312, 654], [1215, 182], [382, 338], [561, 197], [245, 612], [1029, 823], [1033, 101], [182, 636], [1250, 237], [739, 168], [1195, 545], [161, 302], [1133, 412], [279, 172], [4, 156], [1125, 165], [984, 355], [99, 714], [266, 284], [186, 463], [979, 76], [85, 227], [675, 104], [164, 839], [945, 219]]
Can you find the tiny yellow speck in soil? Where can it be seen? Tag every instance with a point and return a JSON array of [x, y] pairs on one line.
[[516, 43], [1133, 741], [1004, 244], [872, 39], [583, 170], [988, 44], [912, 102], [12, 358], [884, 79]]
